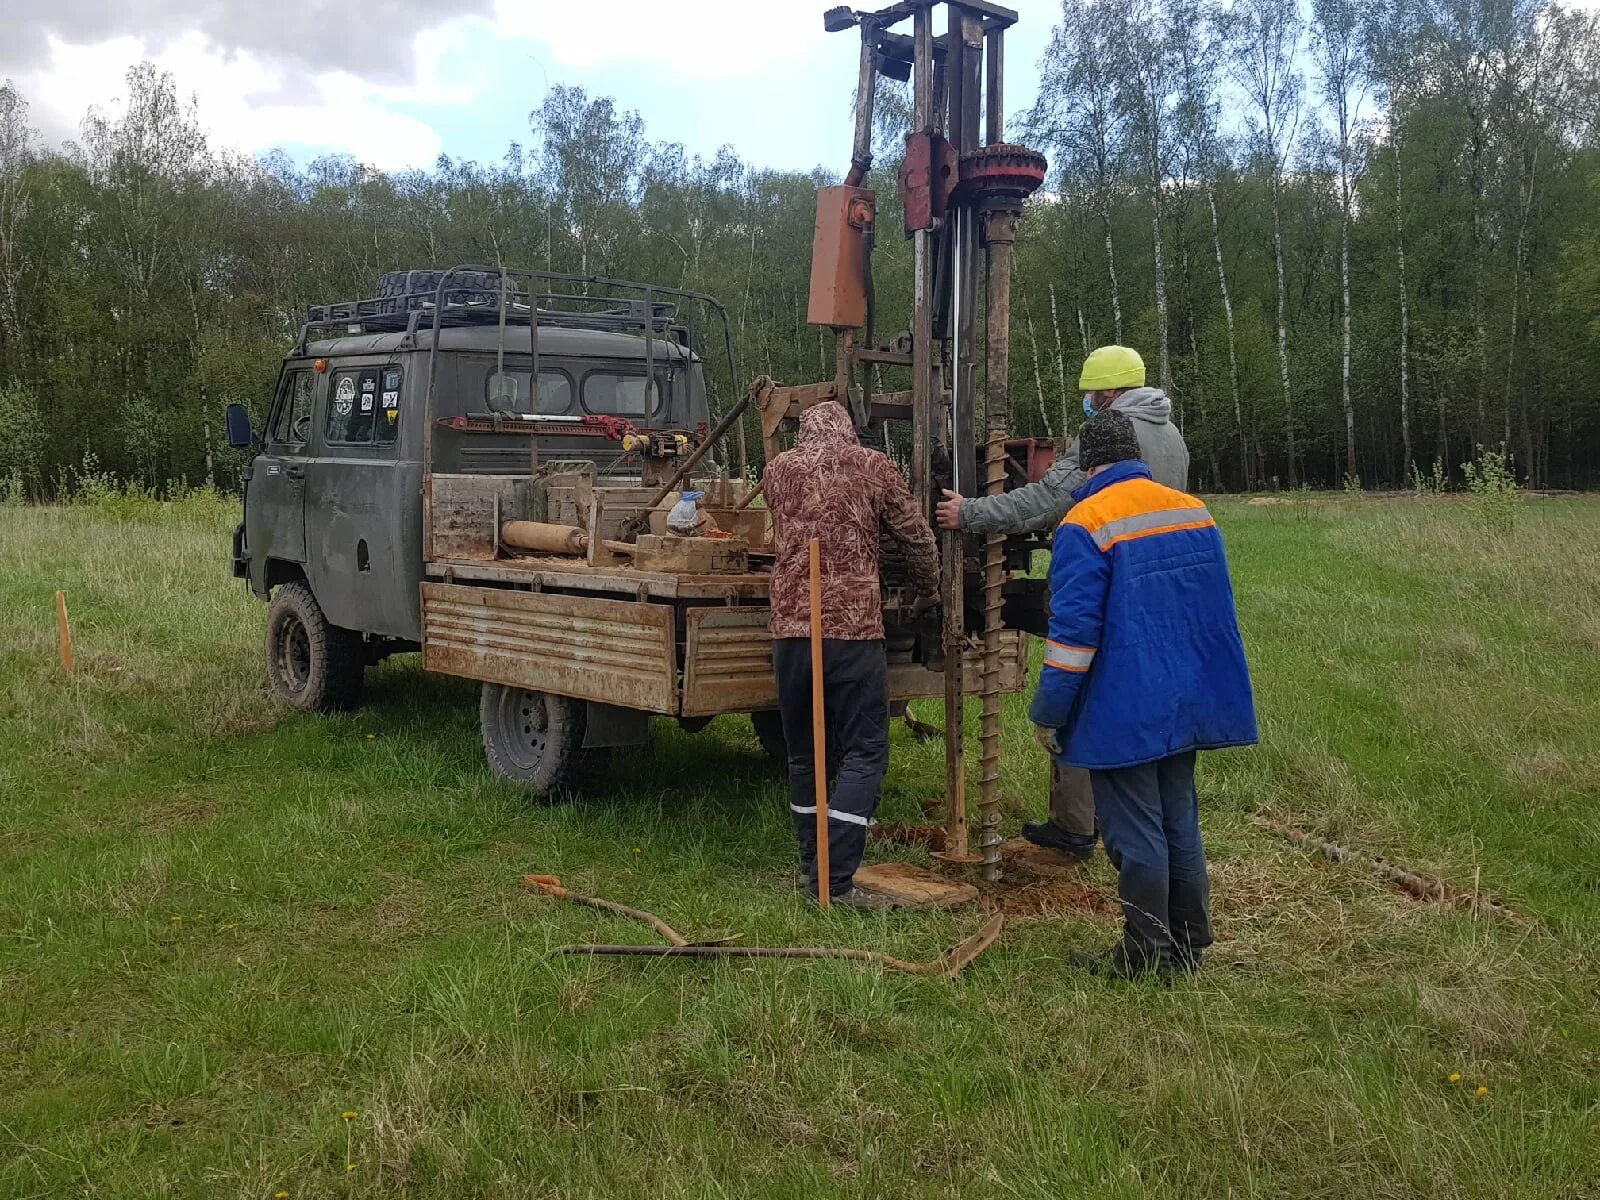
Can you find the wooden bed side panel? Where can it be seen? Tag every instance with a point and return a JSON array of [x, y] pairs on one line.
[[613, 651]]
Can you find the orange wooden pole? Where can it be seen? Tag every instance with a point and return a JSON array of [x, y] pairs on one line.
[[819, 735], [65, 630]]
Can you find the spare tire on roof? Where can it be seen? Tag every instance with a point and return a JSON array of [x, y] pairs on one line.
[[467, 289]]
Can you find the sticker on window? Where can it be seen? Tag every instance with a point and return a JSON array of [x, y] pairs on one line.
[[369, 383], [391, 381], [391, 399], [344, 398], [366, 402], [393, 415]]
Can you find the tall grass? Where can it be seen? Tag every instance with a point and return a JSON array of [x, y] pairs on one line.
[[223, 926]]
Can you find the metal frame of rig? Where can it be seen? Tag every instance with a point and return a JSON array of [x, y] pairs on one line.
[[962, 188]]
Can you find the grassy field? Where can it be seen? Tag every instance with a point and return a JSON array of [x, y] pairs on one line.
[[224, 929]]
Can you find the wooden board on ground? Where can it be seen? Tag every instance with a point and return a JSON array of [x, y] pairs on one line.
[[914, 887], [1022, 855]]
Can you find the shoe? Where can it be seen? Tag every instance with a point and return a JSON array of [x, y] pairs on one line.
[[863, 900], [1114, 964], [1053, 837]]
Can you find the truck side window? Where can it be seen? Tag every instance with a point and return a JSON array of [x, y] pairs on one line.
[[621, 393], [291, 416], [363, 407]]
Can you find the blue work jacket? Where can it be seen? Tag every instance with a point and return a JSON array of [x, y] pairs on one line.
[[1144, 658]]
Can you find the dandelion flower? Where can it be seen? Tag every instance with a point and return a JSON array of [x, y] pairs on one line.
[[636, 850], [1482, 1091], [350, 1114], [280, 1196], [1455, 1076], [176, 919], [372, 737], [349, 1166]]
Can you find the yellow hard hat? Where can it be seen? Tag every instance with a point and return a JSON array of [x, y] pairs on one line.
[[1110, 368]]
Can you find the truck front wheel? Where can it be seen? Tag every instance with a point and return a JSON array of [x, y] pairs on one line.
[[531, 738], [311, 664]]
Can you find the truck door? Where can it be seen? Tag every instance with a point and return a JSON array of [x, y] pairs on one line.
[[275, 494], [356, 503]]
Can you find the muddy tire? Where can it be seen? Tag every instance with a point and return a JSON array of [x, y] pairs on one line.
[[311, 664], [531, 739], [769, 732]]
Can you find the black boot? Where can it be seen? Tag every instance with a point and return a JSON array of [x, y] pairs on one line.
[[1116, 963], [1052, 837]]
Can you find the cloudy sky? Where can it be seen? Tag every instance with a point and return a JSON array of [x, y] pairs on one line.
[[397, 82]]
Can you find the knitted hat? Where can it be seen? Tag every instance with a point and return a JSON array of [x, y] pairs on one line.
[[1105, 438]]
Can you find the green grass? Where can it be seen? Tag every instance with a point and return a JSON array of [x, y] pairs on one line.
[[222, 925]]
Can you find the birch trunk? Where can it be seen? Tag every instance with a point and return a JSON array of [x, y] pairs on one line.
[[1038, 377], [1405, 309], [1233, 347], [1283, 328], [1161, 286], [1111, 268], [1061, 361], [1344, 294]]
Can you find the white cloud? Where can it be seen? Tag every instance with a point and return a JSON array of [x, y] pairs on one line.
[[246, 101]]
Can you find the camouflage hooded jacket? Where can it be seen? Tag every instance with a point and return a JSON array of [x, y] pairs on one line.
[[832, 488]]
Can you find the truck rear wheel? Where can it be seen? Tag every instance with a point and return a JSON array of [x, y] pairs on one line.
[[531, 738], [311, 664]]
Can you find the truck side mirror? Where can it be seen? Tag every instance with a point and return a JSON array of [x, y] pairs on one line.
[[238, 423]]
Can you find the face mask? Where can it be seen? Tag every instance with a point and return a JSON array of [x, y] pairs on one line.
[[1088, 404]]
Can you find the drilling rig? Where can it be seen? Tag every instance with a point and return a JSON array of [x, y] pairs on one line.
[[961, 186]]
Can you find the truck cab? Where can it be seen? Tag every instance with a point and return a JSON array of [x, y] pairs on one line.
[[332, 535]]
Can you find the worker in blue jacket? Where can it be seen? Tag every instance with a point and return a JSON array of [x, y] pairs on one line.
[[1143, 668]]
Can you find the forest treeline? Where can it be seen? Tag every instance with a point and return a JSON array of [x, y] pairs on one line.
[[1353, 239]]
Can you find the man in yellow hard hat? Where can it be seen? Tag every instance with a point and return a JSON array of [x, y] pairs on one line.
[[1112, 379]]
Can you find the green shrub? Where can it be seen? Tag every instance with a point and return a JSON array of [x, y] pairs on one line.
[[1494, 489], [22, 444], [1432, 483]]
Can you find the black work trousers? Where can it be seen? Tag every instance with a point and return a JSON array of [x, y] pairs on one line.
[[1150, 819], [855, 678]]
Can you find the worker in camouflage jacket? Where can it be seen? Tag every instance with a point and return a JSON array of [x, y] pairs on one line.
[[1112, 380], [1144, 667], [831, 488]]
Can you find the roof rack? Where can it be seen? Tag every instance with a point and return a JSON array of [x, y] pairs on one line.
[[476, 301]]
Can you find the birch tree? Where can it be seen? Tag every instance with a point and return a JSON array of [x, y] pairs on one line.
[[1267, 38], [1078, 116], [1336, 27]]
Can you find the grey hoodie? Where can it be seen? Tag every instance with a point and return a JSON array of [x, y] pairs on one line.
[[1042, 505]]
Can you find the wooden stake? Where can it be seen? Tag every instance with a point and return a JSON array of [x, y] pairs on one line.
[[819, 735], [66, 632]]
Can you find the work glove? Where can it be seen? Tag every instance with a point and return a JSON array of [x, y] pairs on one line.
[[923, 603], [1049, 738]]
